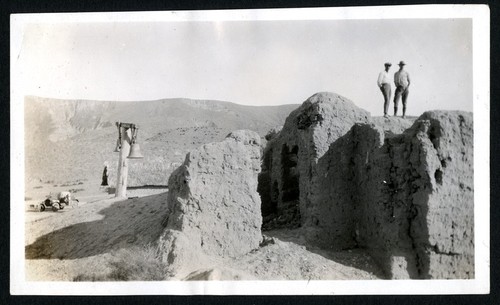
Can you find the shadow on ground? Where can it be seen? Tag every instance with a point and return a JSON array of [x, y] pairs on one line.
[[126, 223], [111, 190], [356, 258]]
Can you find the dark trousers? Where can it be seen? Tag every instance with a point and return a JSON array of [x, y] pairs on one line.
[[400, 92], [386, 91]]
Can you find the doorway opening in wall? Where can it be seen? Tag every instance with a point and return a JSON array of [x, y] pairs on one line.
[[267, 189], [289, 207], [279, 189]]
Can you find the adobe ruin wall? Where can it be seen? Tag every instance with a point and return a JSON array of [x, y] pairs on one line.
[[213, 205], [349, 182]]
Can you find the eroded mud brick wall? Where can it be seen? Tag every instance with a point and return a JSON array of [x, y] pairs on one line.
[[447, 248], [214, 207], [416, 199], [387, 180], [291, 157], [407, 198], [394, 187], [336, 207]]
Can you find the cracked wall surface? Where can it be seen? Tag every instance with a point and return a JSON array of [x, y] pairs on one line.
[[405, 197], [450, 208], [214, 207], [307, 133], [417, 199]]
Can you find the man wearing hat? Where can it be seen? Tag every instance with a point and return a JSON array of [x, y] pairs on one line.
[[402, 81], [384, 83]]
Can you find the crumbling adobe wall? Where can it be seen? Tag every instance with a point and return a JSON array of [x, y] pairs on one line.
[[450, 208], [291, 156], [394, 178], [368, 177], [336, 209], [405, 197], [416, 199], [214, 207]]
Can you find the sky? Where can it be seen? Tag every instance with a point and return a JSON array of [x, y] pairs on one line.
[[263, 62]]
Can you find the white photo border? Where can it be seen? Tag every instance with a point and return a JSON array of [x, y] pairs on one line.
[[480, 16]]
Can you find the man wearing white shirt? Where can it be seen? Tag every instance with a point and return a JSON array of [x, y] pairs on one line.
[[402, 82], [384, 83]]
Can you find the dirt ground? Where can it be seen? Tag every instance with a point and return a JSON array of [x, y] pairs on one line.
[[83, 238]]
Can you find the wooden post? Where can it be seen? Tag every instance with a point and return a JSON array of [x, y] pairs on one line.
[[121, 178]]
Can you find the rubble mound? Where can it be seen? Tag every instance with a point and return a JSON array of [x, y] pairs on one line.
[[214, 207]]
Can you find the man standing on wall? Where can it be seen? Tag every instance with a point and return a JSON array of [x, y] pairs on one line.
[[384, 83], [402, 81]]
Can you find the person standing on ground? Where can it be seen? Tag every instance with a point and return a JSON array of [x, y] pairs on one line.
[[105, 175], [402, 82], [384, 83]]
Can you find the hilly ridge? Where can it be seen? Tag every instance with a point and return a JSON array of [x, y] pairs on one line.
[[72, 139]]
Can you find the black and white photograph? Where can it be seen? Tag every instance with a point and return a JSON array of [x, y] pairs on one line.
[[266, 151]]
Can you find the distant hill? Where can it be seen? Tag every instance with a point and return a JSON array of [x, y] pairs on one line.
[[68, 140]]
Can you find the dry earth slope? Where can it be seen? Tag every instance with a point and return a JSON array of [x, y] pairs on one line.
[[67, 140]]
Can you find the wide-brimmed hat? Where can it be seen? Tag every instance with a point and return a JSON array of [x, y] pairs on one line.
[[402, 63], [387, 64]]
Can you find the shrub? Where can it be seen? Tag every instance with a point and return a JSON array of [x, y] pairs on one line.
[[132, 264], [137, 264]]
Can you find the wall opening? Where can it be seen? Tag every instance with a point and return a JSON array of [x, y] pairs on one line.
[[264, 188], [290, 176], [290, 191], [438, 175], [275, 193]]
